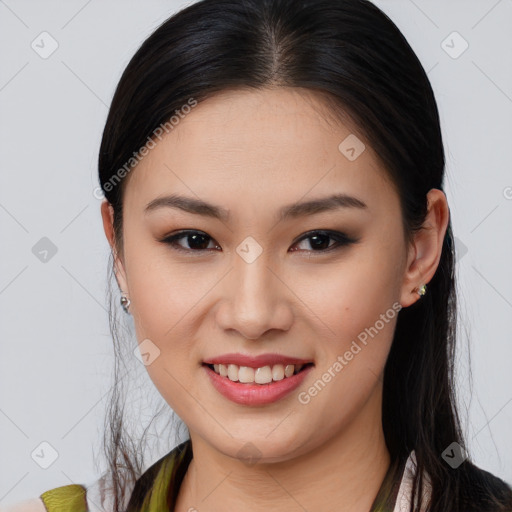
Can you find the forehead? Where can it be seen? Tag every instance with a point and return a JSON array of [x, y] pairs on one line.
[[259, 146]]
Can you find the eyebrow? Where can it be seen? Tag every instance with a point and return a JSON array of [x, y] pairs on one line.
[[294, 210]]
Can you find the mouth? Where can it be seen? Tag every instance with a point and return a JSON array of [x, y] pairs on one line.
[[269, 379], [262, 375]]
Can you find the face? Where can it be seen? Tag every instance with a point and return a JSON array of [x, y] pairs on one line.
[[318, 285]]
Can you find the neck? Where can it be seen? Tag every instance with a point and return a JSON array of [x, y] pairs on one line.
[[347, 471]]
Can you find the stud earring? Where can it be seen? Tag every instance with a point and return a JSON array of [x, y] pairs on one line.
[[422, 290], [125, 302]]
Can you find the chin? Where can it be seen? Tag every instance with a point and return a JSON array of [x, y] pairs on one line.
[[259, 448]]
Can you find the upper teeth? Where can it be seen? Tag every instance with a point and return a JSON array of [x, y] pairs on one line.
[[263, 375]]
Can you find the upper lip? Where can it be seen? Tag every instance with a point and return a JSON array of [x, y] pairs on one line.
[[255, 361]]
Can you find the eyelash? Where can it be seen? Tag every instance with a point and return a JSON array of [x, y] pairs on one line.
[[341, 240]]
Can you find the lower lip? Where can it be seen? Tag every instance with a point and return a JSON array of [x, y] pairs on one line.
[[256, 394]]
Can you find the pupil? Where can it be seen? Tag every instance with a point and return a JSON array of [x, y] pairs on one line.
[[319, 245], [195, 244]]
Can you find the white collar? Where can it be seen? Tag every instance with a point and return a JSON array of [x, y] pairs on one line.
[[403, 500]]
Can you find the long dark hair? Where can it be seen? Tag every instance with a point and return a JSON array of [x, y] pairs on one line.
[[355, 58]]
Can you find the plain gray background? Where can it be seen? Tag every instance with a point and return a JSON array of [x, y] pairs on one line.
[[56, 354]]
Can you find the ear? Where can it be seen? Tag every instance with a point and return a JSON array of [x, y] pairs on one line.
[[425, 251], [107, 214]]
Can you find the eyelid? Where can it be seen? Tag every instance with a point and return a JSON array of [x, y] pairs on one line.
[[341, 239], [174, 237], [337, 235]]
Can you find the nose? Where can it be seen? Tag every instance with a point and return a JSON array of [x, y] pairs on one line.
[[255, 299]]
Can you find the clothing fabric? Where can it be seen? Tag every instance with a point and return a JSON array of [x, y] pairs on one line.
[[157, 489]]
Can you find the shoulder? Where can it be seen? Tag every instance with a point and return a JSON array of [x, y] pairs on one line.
[[69, 498], [478, 490], [100, 495], [484, 491], [32, 505], [158, 487]]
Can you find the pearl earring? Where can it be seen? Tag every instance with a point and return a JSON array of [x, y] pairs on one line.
[[422, 290], [125, 302]]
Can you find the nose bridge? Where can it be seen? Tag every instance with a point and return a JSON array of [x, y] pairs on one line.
[[254, 289], [252, 302], [251, 262]]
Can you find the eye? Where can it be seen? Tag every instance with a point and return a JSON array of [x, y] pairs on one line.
[[197, 241], [319, 240]]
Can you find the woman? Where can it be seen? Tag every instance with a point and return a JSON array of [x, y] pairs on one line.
[[273, 173]]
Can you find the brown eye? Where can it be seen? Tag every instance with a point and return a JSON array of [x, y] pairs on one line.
[[196, 240], [319, 241]]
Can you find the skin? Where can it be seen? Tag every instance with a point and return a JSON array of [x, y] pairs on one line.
[[253, 152]]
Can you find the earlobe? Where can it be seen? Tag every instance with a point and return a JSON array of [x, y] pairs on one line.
[[427, 248]]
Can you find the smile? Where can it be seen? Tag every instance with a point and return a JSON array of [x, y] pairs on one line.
[[256, 380], [263, 375]]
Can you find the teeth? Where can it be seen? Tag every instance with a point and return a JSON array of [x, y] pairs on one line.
[[263, 375], [246, 374], [278, 372], [233, 372]]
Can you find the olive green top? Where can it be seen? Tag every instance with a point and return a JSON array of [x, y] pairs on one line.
[[157, 489]]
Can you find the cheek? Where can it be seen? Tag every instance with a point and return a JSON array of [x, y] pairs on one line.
[[167, 303], [346, 298], [351, 363], [163, 292], [163, 305], [358, 308]]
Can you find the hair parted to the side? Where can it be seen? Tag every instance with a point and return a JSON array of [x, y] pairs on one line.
[[355, 58]]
